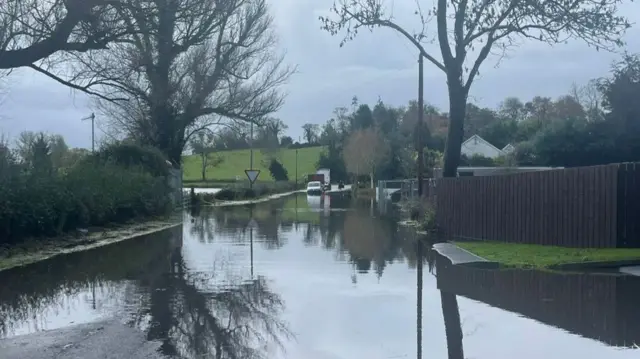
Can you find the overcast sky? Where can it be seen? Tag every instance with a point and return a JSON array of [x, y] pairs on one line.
[[379, 64]]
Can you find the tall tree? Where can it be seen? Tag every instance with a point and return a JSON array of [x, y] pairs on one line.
[[188, 65], [485, 25], [310, 132], [512, 108], [362, 118], [203, 144], [364, 152], [33, 30]]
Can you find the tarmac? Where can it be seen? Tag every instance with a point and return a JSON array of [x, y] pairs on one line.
[[101, 340]]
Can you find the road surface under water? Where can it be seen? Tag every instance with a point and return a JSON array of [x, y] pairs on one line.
[[309, 278]]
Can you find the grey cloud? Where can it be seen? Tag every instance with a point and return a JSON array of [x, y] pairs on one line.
[[375, 64], [383, 64]]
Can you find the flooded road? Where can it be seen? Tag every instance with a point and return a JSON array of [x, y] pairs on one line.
[[301, 277]]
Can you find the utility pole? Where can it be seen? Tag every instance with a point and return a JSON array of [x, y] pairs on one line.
[[419, 254], [93, 130], [420, 125], [297, 164]]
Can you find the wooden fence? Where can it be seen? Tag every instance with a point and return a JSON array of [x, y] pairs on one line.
[[600, 307], [595, 206]]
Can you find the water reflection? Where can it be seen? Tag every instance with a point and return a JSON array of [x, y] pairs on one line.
[[193, 314], [602, 307], [237, 282]]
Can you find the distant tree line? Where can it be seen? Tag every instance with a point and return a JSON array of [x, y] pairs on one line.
[[596, 123]]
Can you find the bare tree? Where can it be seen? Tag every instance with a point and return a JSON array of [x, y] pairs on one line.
[[203, 144], [189, 64], [33, 30], [275, 127], [310, 132], [57, 146], [590, 98], [268, 138], [485, 25], [364, 151]]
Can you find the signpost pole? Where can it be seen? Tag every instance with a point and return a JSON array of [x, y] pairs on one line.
[[251, 153]]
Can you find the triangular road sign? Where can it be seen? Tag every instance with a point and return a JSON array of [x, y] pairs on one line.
[[252, 175]]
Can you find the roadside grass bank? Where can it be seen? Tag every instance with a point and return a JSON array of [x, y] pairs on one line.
[[235, 162], [539, 256], [221, 183], [38, 249]]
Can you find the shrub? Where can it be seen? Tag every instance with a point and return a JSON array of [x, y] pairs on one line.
[[277, 170], [130, 155], [90, 194]]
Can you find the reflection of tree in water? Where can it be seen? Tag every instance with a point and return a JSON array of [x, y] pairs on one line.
[[195, 320], [232, 223], [29, 294], [370, 241]]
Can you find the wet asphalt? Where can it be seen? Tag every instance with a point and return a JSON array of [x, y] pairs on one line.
[[102, 340]]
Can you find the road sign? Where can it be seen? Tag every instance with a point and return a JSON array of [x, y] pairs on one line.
[[252, 175]]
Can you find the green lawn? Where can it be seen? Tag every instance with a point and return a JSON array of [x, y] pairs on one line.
[[537, 256], [236, 161]]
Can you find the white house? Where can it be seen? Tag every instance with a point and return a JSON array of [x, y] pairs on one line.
[[508, 149], [477, 145]]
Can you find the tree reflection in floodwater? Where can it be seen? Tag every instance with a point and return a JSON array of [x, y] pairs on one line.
[[191, 313], [195, 318]]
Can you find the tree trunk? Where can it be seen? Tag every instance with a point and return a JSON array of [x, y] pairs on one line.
[[457, 112], [371, 179]]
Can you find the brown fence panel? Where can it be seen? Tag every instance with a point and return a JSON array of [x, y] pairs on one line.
[[575, 207], [628, 205]]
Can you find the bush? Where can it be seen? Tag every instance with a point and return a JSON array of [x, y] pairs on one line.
[[277, 170], [89, 194], [130, 155]]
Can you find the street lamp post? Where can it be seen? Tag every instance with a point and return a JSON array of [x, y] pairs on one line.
[[93, 131]]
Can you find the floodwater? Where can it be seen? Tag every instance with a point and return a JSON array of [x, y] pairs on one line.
[[311, 278]]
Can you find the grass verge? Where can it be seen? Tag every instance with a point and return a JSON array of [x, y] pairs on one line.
[[31, 251], [538, 256], [245, 193], [234, 163]]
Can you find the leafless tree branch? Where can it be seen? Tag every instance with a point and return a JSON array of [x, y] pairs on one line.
[[187, 60]]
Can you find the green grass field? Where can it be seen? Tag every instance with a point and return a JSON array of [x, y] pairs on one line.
[[236, 161]]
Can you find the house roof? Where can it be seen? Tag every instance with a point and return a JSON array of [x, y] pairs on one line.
[[508, 146], [481, 140]]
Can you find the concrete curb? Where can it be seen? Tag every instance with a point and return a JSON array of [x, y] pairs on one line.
[[462, 257]]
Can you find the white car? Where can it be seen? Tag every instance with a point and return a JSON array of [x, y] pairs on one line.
[[314, 187]]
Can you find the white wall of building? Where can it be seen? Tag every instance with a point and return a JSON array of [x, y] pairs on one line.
[[476, 145]]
